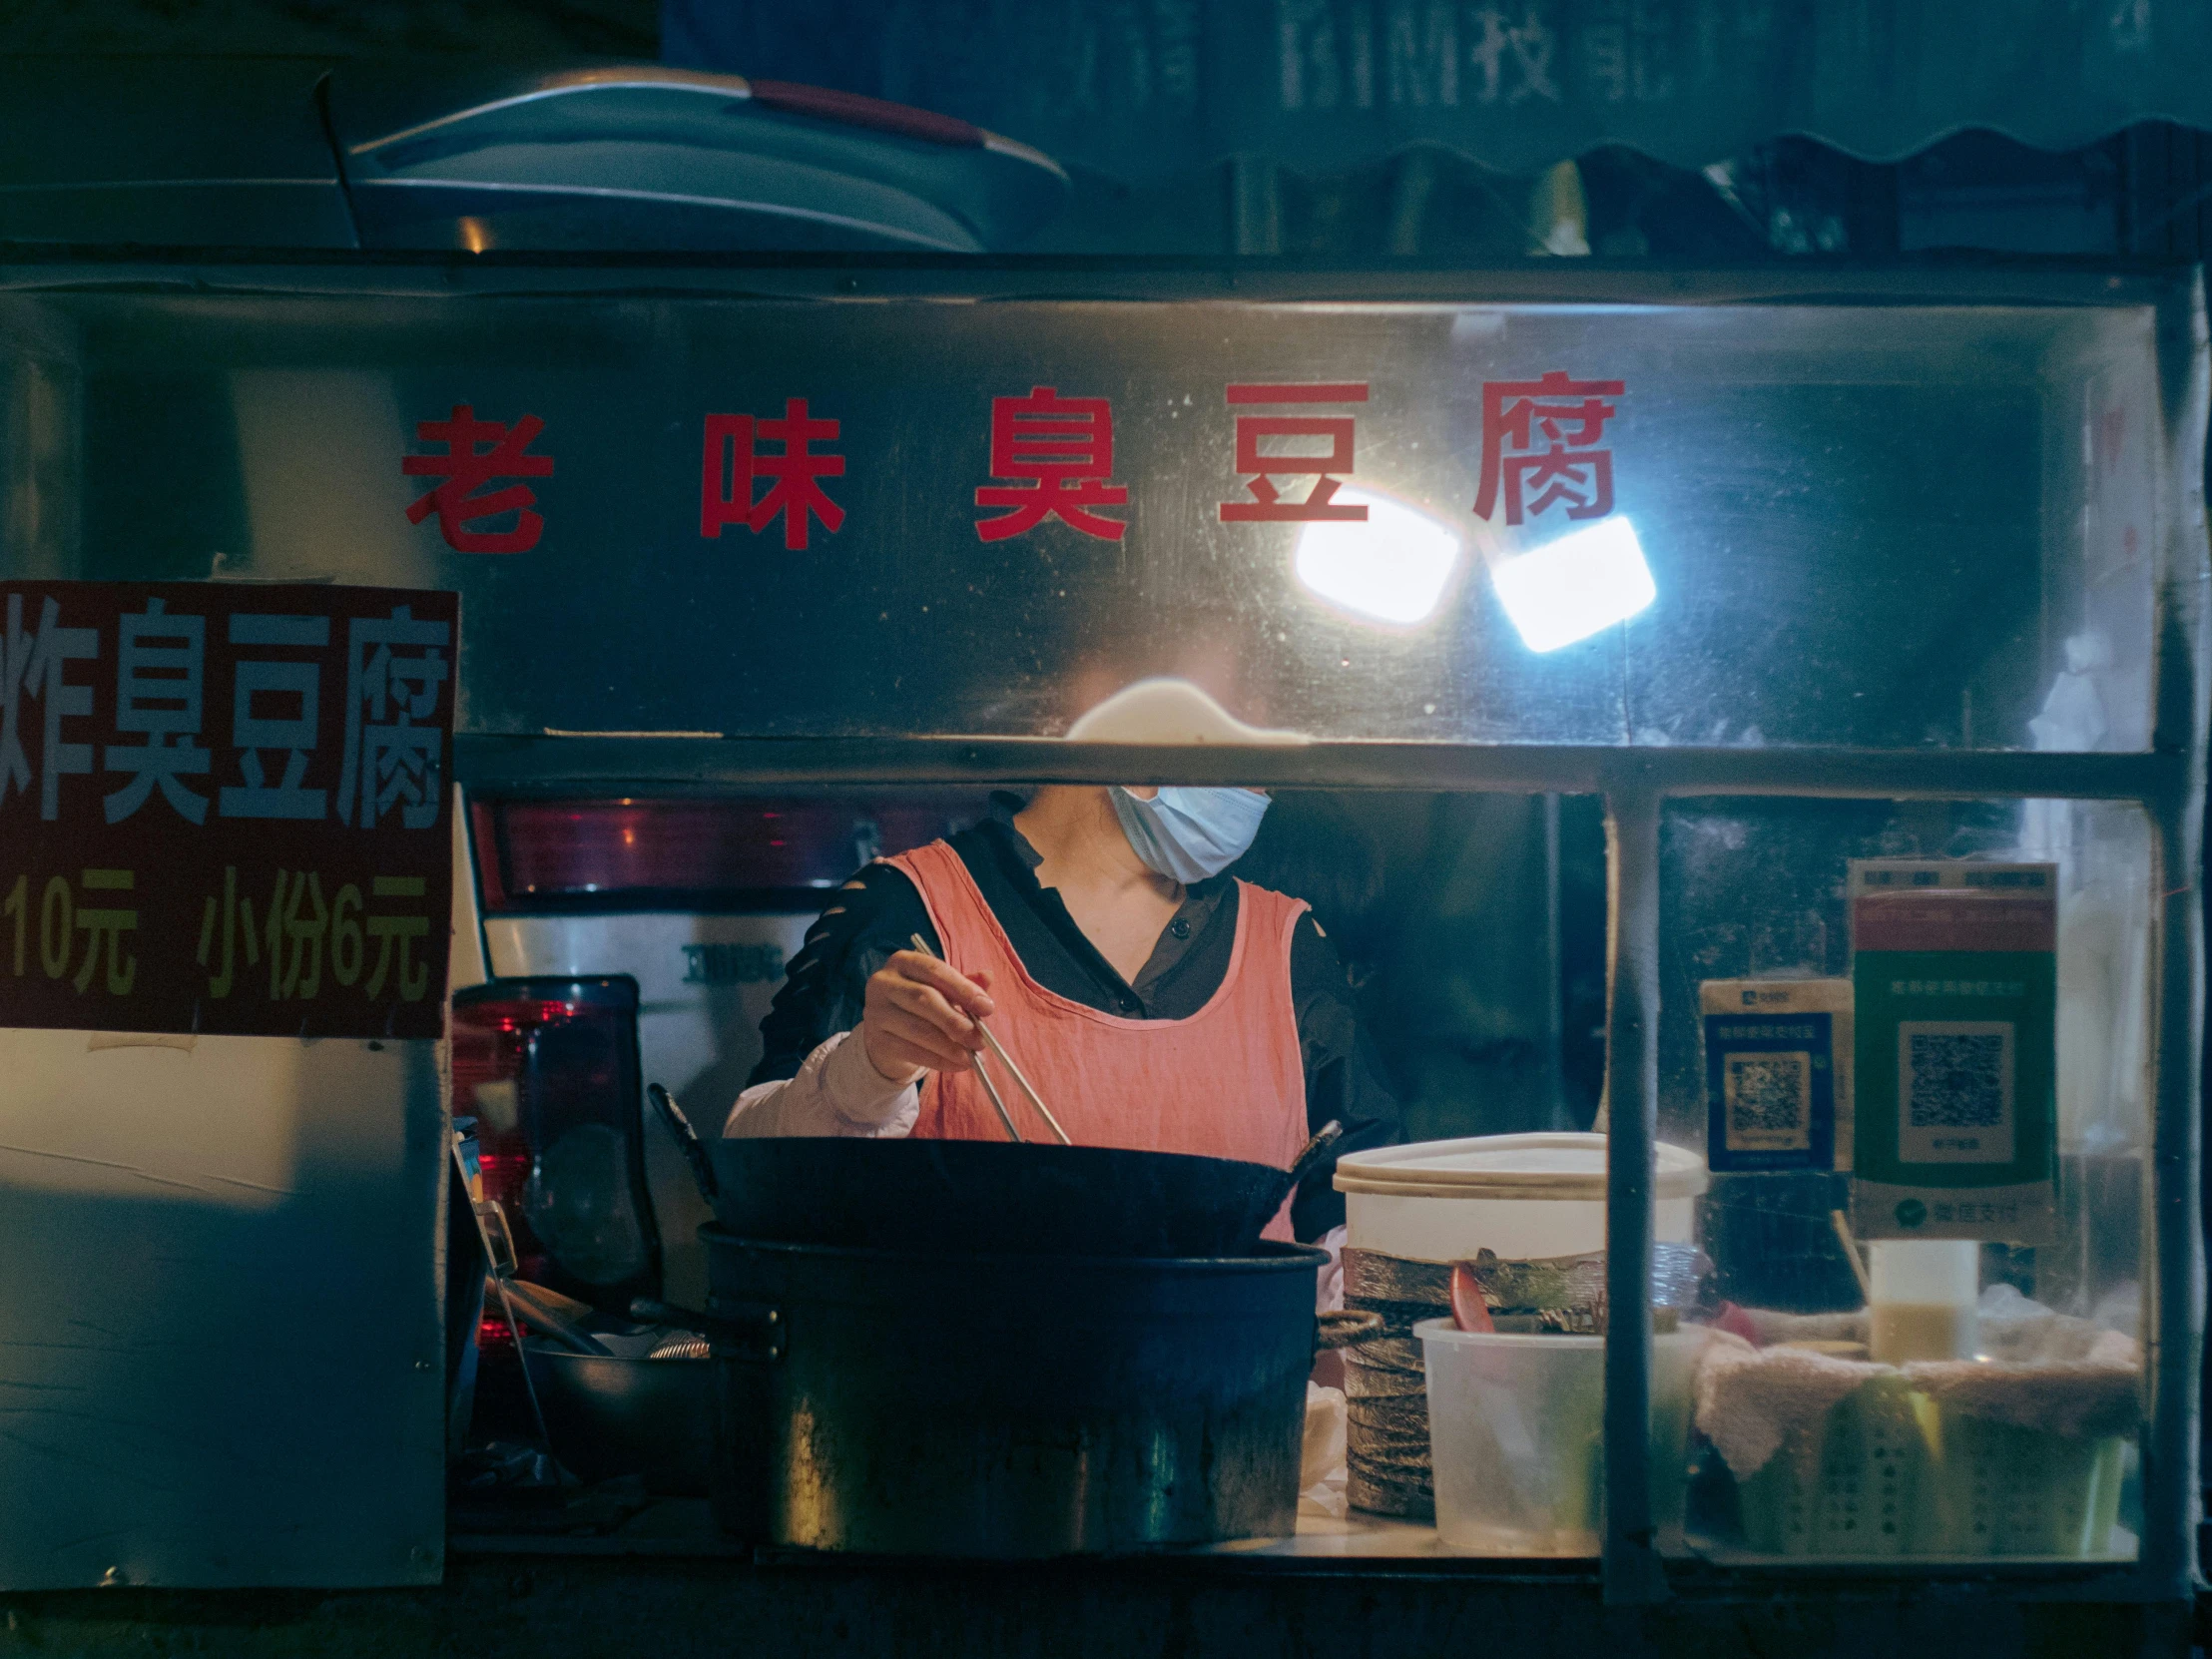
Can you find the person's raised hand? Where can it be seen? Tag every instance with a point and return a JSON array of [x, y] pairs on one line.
[[920, 1016]]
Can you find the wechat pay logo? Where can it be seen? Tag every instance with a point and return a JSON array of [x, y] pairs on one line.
[[1912, 1213]]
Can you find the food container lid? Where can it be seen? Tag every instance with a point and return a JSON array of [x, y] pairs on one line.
[[1559, 1165]]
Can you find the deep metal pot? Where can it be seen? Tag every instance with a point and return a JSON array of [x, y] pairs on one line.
[[1006, 1405]]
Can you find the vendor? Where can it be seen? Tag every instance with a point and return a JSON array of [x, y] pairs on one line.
[[1155, 1001]]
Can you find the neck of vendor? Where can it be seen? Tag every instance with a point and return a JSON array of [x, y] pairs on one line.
[[1117, 902], [1154, 1000]]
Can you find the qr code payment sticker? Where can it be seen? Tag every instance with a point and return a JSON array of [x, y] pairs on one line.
[[1956, 1091], [1768, 1101]]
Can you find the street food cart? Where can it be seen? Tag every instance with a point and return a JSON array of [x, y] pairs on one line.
[[1805, 572]]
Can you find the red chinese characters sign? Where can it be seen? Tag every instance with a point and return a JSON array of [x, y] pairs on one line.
[[1060, 451], [1540, 445], [476, 453], [1292, 446], [1261, 467], [726, 490], [226, 809]]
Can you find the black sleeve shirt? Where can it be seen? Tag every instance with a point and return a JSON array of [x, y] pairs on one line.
[[876, 914]]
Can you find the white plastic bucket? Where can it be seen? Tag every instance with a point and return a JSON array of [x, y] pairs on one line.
[[1526, 1197], [1516, 1436]]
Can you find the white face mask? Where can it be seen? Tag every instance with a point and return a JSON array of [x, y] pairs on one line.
[[1188, 834]]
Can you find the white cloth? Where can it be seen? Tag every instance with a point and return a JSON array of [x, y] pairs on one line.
[[1329, 1282], [838, 1091], [1753, 1401], [2084, 1395], [1322, 1473]]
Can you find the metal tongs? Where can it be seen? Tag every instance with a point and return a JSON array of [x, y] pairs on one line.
[[1008, 1060], [498, 1246]]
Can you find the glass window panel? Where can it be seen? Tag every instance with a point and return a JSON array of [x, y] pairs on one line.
[[1982, 1124], [1889, 526]]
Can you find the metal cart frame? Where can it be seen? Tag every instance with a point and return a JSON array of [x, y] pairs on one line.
[[2168, 780]]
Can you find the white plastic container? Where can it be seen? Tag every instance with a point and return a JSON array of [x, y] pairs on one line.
[[1516, 1438], [1526, 1197]]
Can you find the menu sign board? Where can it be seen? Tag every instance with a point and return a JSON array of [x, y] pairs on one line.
[[223, 808]]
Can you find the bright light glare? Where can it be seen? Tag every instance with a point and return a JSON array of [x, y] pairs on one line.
[[1391, 566], [1570, 589]]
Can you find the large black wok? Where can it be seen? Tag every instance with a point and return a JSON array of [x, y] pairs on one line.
[[993, 1196]]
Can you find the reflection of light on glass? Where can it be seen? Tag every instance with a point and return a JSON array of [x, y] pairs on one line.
[[1393, 566], [1566, 590]]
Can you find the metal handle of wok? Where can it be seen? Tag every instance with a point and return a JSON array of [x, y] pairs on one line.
[[740, 1330], [1344, 1328], [687, 1140]]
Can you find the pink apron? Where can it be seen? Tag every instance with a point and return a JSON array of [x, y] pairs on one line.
[[1227, 1082]]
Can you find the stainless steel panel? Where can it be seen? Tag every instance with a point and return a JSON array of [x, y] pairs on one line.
[[219, 1326], [704, 984]]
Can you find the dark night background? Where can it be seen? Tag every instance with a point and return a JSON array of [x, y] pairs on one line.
[[2145, 190]]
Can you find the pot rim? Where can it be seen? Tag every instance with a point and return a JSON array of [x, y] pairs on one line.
[[1276, 1257]]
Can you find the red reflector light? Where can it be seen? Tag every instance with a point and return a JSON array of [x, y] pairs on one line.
[[852, 109], [645, 855], [548, 1068]]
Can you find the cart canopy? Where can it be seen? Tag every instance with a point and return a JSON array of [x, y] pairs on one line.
[[1139, 89]]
